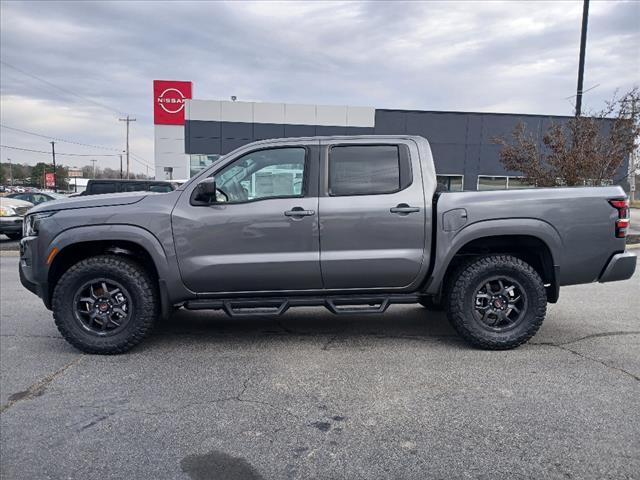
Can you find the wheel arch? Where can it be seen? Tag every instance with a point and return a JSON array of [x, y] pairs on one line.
[[534, 241], [136, 243]]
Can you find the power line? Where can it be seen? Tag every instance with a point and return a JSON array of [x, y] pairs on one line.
[[65, 154], [59, 139], [139, 159], [60, 88]]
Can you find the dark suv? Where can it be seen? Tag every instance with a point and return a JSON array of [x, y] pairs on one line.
[[95, 187]]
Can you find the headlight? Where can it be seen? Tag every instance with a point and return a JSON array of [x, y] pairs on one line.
[[7, 212], [31, 223]]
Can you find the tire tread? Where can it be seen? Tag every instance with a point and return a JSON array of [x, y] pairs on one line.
[[146, 312], [460, 317]]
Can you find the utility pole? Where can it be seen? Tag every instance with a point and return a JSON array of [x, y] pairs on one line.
[[120, 166], [583, 47], [128, 120], [94, 167], [53, 155], [10, 171]]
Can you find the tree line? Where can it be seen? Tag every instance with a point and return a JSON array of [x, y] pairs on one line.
[[34, 175]]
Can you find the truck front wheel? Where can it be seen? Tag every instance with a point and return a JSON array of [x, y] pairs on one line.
[[105, 304], [497, 302]]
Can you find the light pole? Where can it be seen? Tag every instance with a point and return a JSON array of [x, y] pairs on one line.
[[10, 171], [583, 47], [128, 120], [53, 155]]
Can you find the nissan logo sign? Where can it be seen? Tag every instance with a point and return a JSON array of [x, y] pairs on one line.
[[171, 100]]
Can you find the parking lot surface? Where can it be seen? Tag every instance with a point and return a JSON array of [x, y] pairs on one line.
[[310, 395]]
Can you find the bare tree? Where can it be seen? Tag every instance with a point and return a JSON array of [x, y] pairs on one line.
[[581, 150]]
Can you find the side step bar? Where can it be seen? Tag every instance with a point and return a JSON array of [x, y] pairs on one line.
[[243, 307]]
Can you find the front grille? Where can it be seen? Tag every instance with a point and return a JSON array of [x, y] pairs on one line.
[[21, 211]]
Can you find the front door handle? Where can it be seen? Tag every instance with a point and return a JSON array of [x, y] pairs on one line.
[[299, 212], [404, 209]]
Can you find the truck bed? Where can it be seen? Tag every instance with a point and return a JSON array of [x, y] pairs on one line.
[[578, 225]]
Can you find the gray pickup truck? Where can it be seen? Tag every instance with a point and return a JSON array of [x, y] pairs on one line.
[[353, 224]]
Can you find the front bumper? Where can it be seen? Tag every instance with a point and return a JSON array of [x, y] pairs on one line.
[[10, 224], [30, 277], [620, 267]]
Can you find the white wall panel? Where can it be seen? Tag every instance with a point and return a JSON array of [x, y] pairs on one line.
[[295, 114], [268, 113], [203, 110], [330, 115], [237, 111], [361, 117]]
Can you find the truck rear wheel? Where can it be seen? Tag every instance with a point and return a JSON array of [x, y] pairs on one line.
[[497, 302], [105, 304]]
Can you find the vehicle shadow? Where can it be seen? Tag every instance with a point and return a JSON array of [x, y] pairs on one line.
[[304, 324]]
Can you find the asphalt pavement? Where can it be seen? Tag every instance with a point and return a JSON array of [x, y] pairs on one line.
[[314, 396]]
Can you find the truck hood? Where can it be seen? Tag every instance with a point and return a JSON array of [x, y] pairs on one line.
[[92, 201]]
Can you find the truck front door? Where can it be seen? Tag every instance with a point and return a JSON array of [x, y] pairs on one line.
[[261, 234], [373, 215]]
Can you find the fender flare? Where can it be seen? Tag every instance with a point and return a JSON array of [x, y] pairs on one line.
[[448, 245], [121, 232]]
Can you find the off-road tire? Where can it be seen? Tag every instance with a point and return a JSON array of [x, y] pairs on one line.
[[461, 302], [123, 270], [14, 235]]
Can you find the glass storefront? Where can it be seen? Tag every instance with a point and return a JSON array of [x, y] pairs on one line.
[[450, 183], [486, 182], [200, 162]]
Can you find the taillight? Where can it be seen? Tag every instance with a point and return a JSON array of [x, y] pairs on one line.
[[622, 223]]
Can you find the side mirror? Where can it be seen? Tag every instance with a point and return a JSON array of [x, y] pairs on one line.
[[205, 191]]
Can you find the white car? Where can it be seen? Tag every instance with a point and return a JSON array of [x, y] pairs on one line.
[[12, 211]]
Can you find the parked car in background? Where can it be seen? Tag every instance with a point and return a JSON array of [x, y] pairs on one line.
[[12, 212], [96, 187], [36, 197]]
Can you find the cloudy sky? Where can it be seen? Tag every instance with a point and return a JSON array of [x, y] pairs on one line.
[[70, 69]]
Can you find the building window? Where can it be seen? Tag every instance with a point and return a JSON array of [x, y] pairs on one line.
[[486, 182], [200, 162], [491, 183], [514, 183], [364, 170], [450, 183]]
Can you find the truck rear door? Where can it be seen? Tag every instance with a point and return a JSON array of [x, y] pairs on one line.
[[372, 214]]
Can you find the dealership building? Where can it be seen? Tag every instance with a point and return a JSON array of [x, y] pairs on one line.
[[191, 133]]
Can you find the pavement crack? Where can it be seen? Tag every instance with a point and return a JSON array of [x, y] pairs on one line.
[[586, 357], [330, 341], [38, 388], [245, 386], [596, 335], [179, 408]]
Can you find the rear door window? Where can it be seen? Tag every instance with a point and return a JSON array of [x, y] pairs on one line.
[[364, 170]]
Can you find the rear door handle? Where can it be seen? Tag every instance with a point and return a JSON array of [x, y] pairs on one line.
[[299, 212], [404, 209]]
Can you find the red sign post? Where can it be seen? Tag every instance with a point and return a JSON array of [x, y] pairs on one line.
[[168, 101]]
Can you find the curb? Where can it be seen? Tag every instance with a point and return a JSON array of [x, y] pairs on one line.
[[9, 253]]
